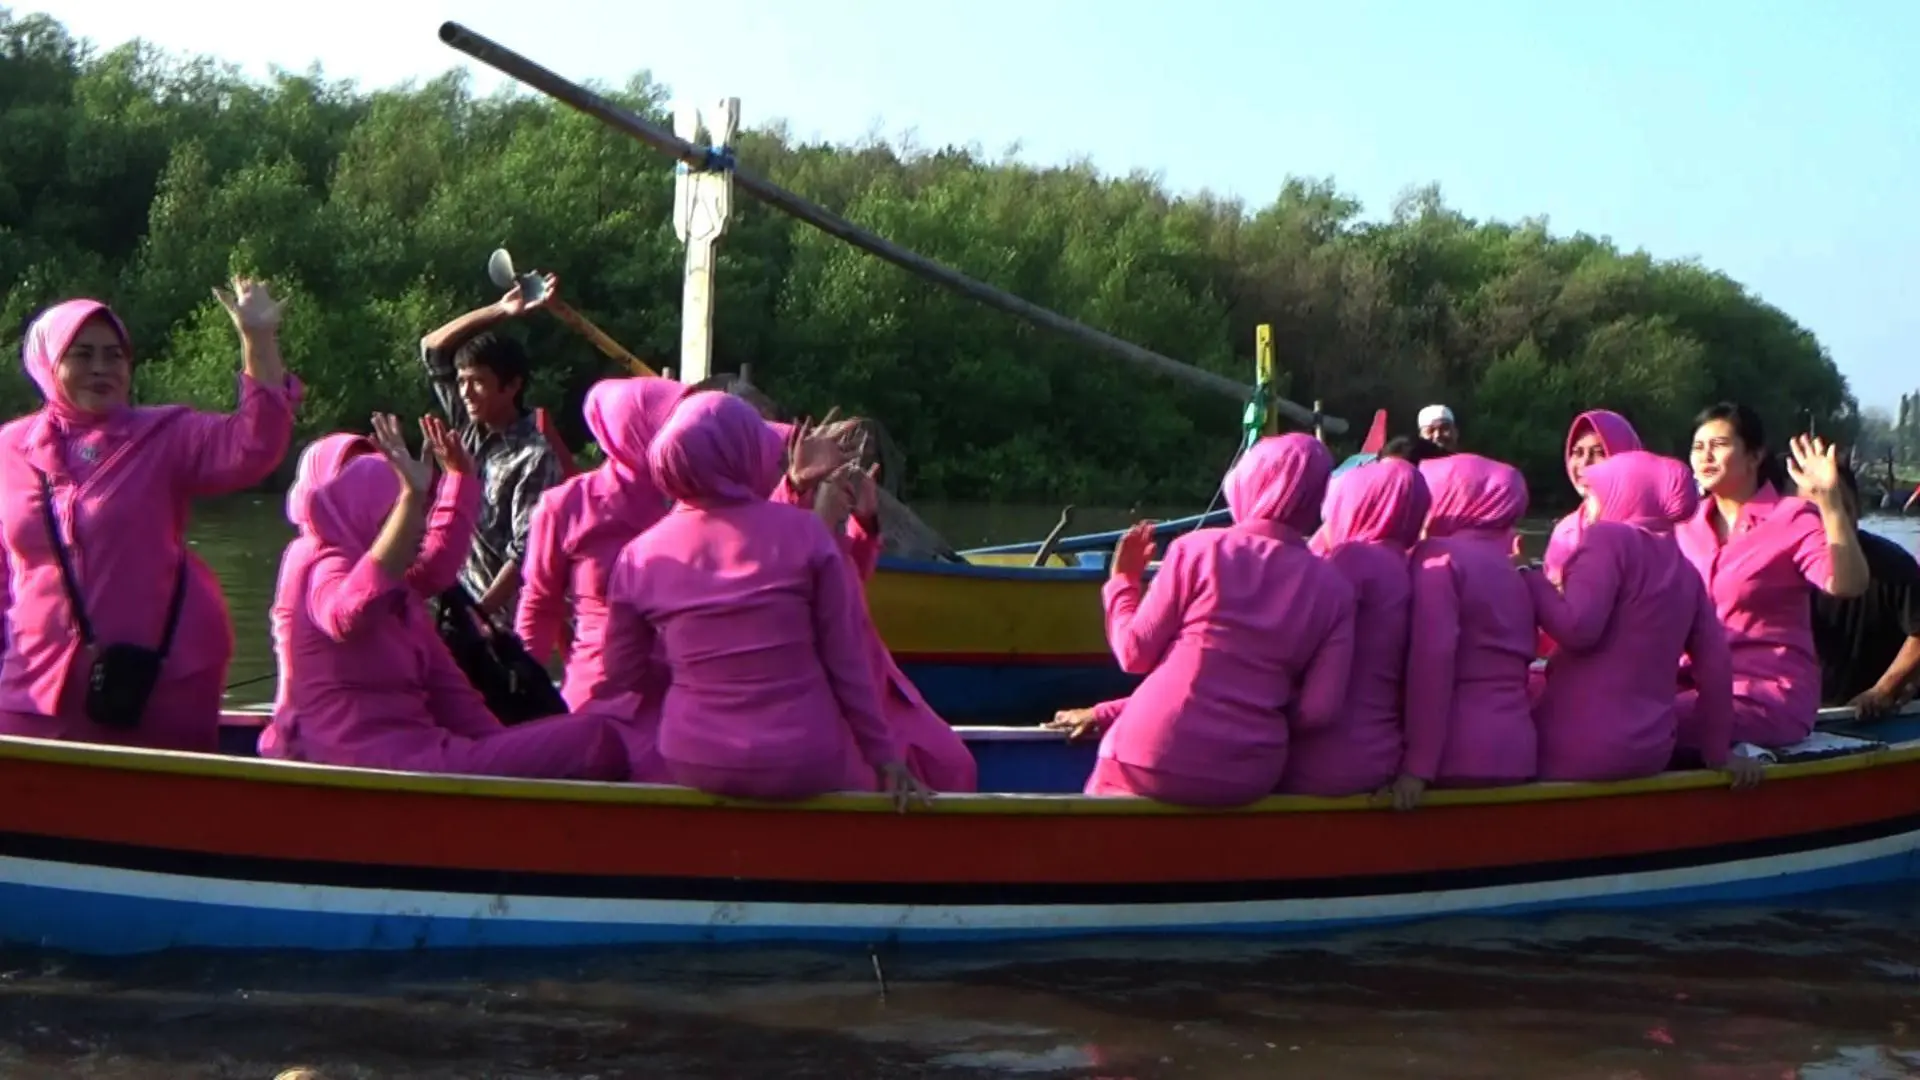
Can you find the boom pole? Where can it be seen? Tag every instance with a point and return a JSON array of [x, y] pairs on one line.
[[512, 64]]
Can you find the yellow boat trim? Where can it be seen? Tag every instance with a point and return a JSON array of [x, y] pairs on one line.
[[216, 766]]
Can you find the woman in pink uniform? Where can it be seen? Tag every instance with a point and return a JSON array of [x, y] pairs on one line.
[[1760, 553], [758, 614], [579, 528], [1629, 608], [1373, 516], [443, 546], [94, 496], [1468, 722], [848, 503], [1595, 436], [1244, 635], [367, 681]]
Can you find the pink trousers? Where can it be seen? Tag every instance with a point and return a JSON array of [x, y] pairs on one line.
[[1111, 777]]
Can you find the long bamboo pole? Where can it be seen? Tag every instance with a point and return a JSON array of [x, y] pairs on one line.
[[508, 62]]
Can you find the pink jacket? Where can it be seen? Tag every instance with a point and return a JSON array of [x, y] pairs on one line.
[[1762, 584], [1468, 718], [1373, 516], [580, 526], [1630, 609], [443, 548], [1243, 636], [122, 483], [1618, 436], [754, 604], [367, 681]]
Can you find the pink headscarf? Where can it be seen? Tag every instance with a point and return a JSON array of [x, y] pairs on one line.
[[320, 462], [1280, 479], [348, 510], [1384, 502], [1615, 433], [624, 416], [47, 340], [1473, 494], [1645, 490], [715, 448]]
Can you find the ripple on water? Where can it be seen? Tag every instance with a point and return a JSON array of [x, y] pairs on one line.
[[1826, 993]]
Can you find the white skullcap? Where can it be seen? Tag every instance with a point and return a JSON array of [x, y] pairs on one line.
[[1434, 414]]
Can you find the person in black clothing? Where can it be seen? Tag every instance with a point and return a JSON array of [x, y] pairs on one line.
[[1413, 449], [1869, 646]]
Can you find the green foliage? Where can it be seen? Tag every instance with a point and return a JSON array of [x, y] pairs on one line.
[[145, 179]]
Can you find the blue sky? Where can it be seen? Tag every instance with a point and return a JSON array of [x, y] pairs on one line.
[[1775, 140]]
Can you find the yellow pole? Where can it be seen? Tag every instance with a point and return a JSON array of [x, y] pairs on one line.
[[1264, 375]]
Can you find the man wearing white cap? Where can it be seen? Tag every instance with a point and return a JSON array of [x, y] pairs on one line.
[[1436, 426]]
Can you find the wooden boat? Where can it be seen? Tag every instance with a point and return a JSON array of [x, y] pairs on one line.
[[999, 640], [114, 851]]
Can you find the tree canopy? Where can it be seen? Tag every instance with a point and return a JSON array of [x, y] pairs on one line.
[[144, 178]]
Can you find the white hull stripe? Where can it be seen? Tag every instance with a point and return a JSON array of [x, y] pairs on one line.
[[719, 917]]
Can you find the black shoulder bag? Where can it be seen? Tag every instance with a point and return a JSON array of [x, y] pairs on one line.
[[122, 677], [515, 685]]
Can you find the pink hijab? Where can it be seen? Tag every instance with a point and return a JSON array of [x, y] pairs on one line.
[[624, 415], [1473, 494], [1280, 479], [46, 342], [1384, 502], [1615, 434], [715, 448], [346, 511], [1644, 490], [320, 462]]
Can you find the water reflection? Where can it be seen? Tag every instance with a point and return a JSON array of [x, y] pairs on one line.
[[1828, 993]]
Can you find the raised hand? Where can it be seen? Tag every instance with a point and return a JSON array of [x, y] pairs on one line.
[[416, 473], [250, 305], [447, 449], [866, 490], [812, 453], [832, 502], [1134, 551], [515, 302], [1813, 466]]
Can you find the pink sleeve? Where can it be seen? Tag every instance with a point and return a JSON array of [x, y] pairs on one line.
[[1578, 615], [1140, 631], [451, 699], [1323, 691], [1711, 726], [1107, 712], [784, 493], [1430, 664], [449, 535], [840, 632], [222, 453], [341, 592], [626, 646], [862, 545], [543, 606], [1812, 557]]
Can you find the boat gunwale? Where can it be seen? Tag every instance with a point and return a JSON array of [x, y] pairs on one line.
[[303, 774]]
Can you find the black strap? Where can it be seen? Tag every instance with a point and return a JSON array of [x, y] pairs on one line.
[[72, 584]]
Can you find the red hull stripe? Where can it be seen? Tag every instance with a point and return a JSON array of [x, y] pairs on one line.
[[969, 893]]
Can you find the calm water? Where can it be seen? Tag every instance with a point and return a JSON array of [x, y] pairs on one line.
[[1826, 991]]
